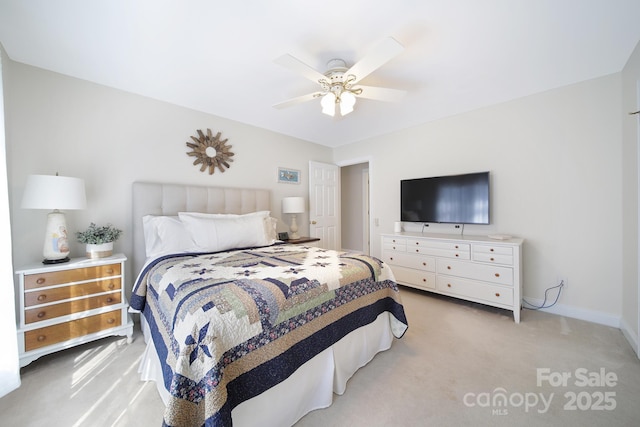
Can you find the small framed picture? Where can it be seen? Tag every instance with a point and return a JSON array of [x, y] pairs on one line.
[[288, 176]]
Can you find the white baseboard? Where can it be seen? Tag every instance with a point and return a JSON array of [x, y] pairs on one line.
[[577, 313], [631, 336]]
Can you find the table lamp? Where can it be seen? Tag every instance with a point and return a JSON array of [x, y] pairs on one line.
[[54, 192], [293, 205]]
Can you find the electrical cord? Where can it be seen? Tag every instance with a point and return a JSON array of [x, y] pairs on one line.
[[535, 307]]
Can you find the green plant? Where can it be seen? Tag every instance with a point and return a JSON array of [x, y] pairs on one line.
[[97, 235]]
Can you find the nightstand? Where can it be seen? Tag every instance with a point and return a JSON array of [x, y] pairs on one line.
[[301, 240], [63, 305]]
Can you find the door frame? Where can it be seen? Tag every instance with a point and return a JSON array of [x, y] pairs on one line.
[[367, 213]]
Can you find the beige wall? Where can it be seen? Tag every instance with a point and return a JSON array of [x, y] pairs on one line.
[[111, 138], [555, 162], [630, 141]]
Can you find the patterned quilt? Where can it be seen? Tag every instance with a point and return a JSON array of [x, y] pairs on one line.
[[229, 325]]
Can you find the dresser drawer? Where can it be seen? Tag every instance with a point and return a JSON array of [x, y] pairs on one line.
[[76, 306], [487, 273], [442, 249], [493, 254], [42, 296], [49, 335], [410, 261], [418, 278], [469, 288], [33, 281]]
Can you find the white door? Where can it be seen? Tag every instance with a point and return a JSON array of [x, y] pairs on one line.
[[324, 204]]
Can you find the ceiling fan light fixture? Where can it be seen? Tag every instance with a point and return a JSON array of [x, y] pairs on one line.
[[328, 103], [347, 101]]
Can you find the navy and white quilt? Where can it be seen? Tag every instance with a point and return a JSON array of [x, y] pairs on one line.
[[229, 325]]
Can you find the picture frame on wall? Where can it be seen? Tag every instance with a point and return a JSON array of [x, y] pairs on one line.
[[288, 176]]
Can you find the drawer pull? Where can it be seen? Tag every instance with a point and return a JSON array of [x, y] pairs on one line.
[[418, 250], [448, 267], [41, 314], [41, 338], [448, 285], [394, 248], [424, 263], [41, 280], [42, 297], [111, 285], [394, 240], [497, 274], [391, 258], [111, 320], [109, 270], [424, 280], [491, 250], [109, 300], [457, 255], [497, 294], [491, 259], [456, 246], [417, 243]]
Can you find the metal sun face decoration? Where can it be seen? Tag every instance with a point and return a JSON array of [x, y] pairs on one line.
[[210, 152]]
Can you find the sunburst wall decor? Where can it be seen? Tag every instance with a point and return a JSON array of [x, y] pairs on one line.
[[210, 151]]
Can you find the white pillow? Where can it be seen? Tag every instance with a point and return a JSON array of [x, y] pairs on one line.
[[218, 232], [165, 234]]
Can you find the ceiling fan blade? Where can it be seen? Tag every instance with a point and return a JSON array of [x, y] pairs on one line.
[[297, 100], [299, 67], [381, 93], [382, 53]]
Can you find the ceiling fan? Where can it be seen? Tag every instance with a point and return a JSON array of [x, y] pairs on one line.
[[339, 85]]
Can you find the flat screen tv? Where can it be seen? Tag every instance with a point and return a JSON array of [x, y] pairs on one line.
[[454, 199]]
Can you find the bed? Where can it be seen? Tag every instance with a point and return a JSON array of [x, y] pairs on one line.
[[242, 329]]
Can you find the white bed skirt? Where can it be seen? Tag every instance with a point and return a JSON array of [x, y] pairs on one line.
[[310, 387]]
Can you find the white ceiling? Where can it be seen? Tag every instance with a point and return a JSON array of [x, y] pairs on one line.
[[217, 56]]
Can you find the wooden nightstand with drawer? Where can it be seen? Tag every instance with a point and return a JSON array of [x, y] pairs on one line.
[[63, 305]]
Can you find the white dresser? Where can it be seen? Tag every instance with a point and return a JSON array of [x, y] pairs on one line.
[[473, 268]]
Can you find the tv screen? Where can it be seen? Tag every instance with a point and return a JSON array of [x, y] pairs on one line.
[[455, 199]]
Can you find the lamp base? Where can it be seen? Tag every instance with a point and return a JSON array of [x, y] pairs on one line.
[[56, 261]]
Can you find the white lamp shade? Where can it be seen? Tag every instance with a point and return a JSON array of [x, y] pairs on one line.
[[328, 104], [347, 101], [293, 205], [54, 192]]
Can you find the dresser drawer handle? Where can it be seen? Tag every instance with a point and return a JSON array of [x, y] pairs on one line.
[[424, 263], [418, 250], [491, 259], [391, 258], [417, 243], [109, 300], [457, 255], [42, 297], [111, 320], [111, 285], [394, 248], [497, 294], [491, 250], [448, 285], [456, 246], [109, 270], [448, 267], [41, 338], [41, 280], [424, 280], [497, 274], [41, 314]]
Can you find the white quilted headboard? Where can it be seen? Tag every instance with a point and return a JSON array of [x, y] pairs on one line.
[[169, 199]]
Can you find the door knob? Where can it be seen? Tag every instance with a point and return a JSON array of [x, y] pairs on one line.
[[313, 222]]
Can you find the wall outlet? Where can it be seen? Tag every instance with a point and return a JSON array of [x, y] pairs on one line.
[[564, 280]]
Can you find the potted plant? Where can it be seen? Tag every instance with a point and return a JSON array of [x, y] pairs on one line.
[[99, 240]]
